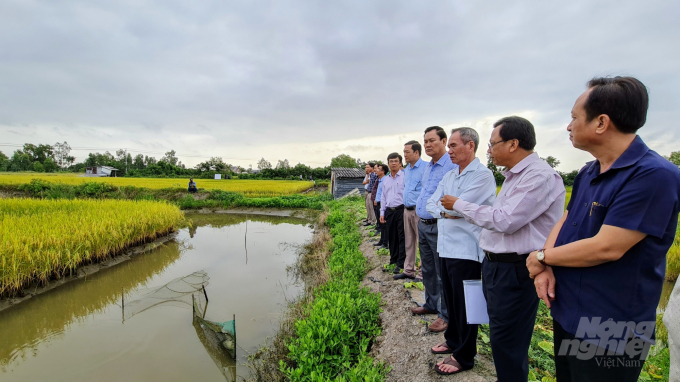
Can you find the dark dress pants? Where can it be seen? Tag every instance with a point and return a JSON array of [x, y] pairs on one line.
[[395, 236], [617, 368], [380, 226], [512, 304], [460, 336], [430, 266]]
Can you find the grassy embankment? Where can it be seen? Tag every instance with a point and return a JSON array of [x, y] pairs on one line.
[[45, 239], [328, 333], [244, 193]]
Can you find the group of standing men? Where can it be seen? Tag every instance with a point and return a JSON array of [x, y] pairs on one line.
[[599, 265]]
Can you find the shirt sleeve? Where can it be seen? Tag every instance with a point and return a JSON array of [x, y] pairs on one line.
[[383, 205], [432, 205], [646, 203], [530, 198], [482, 188]]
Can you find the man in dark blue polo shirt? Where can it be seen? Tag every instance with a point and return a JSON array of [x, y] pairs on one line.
[[603, 265]]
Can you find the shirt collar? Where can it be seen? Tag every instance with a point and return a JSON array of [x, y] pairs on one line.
[[521, 165], [417, 164], [632, 155], [399, 173], [473, 166], [440, 162]]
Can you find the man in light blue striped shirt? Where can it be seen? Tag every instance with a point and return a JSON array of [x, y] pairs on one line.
[[458, 246]]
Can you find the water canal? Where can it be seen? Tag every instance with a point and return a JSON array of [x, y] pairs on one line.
[[77, 332]]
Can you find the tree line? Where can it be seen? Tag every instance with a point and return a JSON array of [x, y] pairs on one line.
[[57, 157]]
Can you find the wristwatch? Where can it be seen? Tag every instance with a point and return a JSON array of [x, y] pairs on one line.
[[540, 256], [442, 214]]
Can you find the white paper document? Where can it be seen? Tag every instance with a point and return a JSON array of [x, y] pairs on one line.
[[475, 303]]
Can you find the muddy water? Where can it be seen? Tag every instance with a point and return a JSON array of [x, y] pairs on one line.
[[77, 332]]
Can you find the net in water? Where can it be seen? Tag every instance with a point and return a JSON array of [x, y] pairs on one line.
[[177, 292]]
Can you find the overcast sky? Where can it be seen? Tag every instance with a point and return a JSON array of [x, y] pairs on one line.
[[306, 81]]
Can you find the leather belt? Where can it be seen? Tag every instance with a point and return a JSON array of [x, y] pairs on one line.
[[506, 257], [410, 208], [399, 207], [429, 221]]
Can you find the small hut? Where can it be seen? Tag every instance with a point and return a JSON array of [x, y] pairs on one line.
[[100, 171], [344, 180]]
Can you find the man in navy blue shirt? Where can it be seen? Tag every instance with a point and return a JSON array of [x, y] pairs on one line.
[[603, 265]]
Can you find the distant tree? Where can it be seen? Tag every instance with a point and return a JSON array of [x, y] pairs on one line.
[[497, 171], [148, 161], [50, 165], [552, 161], [263, 164], [4, 162], [344, 160], [282, 164], [61, 153], [38, 153], [38, 167], [170, 157], [138, 162], [674, 158], [568, 177], [214, 164], [20, 161]]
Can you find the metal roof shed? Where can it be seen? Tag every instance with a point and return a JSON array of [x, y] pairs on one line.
[[344, 180]]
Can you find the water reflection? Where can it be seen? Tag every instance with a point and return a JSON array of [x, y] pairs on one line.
[[46, 315], [76, 331]]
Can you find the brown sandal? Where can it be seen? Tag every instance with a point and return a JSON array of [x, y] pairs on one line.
[[451, 362], [443, 344]]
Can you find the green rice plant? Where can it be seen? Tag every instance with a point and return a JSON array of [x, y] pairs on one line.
[[673, 258]]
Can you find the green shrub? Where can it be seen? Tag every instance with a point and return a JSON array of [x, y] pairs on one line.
[[333, 340]]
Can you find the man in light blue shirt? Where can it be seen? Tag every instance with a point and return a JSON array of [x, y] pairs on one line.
[[435, 147], [458, 246], [413, 175]]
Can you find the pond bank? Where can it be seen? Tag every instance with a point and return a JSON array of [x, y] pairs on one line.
[[86, 270], [405, 341]]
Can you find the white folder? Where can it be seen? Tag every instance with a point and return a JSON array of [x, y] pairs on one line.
[[475, 303]]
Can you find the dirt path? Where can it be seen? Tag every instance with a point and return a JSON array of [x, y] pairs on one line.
[[405, 341]]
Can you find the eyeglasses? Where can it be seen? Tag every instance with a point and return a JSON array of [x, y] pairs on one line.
[[495, 143]]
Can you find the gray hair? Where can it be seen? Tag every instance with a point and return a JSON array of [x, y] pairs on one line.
[[467, 134]]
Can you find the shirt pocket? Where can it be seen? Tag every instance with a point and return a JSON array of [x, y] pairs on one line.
[[593, 220]]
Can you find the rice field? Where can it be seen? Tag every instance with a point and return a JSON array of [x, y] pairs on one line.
[[48, 238], [252, 188]]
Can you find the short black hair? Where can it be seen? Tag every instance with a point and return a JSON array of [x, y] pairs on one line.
[[385, 168], [519, 128], [371, 164], [440, 131], [393, 156], [415, 146], [624, 99]]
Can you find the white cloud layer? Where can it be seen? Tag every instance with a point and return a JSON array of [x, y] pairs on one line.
[[307, 81]]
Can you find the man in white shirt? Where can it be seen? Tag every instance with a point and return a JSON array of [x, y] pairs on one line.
[[458, 246]]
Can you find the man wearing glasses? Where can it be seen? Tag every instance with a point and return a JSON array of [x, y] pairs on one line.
[[528, 205]]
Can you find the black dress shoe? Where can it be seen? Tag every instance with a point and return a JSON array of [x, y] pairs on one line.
[[418, 280], [378, 244], [397, 270], [402, 276], [367, 224]]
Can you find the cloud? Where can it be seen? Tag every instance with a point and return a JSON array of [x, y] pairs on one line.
[[244, 80]]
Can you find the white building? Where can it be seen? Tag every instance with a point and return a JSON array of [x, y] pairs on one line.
[[100, 171]]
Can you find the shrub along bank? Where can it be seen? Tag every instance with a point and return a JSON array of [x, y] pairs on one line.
[[39, 188], [334, 335]]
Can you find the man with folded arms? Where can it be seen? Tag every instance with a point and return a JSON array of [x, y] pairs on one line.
[[528, 205], [434, 142], [413, 175], [608, 252], [392, 210], [458, 246]]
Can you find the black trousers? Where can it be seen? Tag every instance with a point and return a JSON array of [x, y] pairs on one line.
[[395, 236], [380, 227], [460, 336], [512, 304], [617, 368]]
